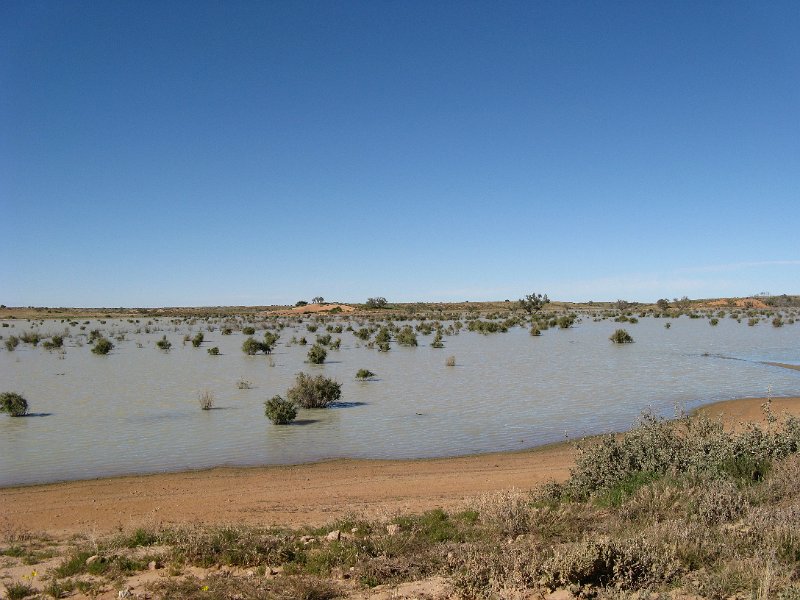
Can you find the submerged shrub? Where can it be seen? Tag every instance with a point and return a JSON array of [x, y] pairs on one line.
[[198, 339], [364, 374], [566, 321], [280, 411], [314, 392], [251, 346], [406, 337], [102, 346], [164, 343], [213, 351], [13, 404], [437, 340], [451, 361], [56, 341], [11, 343], [248, 330], [317, 354], [620, 336], [206, 399]]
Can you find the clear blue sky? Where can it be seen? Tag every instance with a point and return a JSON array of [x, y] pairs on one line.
[[205, 153]]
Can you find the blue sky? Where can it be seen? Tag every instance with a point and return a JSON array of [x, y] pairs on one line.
[[215, 153]]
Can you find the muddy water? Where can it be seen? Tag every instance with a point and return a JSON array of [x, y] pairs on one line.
[[136, 409]]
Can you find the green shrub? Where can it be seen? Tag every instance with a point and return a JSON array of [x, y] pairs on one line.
[[437, 340], [102, 346], [713, 321], [364, 374], [406, 336], [33, 338], [11, 343], [280, 411], [620, 336], [213, 351], [18, 591], [566, 321], [314, 392], [317, 354], [777, 322], [198, 339], [13, 404], [535, 331], [692, 445], [164, 343], [251, 346], [270, 340], [383, 335], [54, 342], [249, 330]]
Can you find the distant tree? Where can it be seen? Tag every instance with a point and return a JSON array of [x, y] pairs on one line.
[[379, 302], [622, 304], [533, 303], [301, 303], [663, 304], [317, 300], [684, 303]]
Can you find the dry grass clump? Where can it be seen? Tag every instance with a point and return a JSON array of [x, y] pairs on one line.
[[206, 400], [508, 513]]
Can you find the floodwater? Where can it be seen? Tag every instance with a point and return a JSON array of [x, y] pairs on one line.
[[136, 409]]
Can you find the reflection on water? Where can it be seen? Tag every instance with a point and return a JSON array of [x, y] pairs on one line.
[[136, 410]]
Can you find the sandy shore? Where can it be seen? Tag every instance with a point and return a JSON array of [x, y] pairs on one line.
[[310, 494]]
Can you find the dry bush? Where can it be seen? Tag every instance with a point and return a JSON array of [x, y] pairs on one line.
[[507, 512], [206, 400]]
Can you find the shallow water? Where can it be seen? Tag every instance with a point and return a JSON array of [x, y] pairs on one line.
[[136, 410]]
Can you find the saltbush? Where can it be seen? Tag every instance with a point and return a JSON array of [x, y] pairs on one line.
[[314, 392], [620, 336], [13, 404], [364, 374], [317, 354], [102, 346], [280, 411]]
